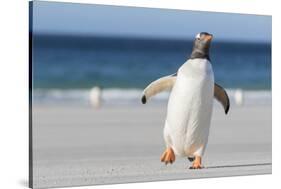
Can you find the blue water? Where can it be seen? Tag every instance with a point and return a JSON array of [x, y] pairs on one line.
[[81, 62]]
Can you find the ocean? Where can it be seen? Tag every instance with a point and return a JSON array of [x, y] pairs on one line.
[[66, 67]]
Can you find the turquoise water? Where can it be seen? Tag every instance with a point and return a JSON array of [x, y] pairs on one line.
[[65, 68], [73, 62]]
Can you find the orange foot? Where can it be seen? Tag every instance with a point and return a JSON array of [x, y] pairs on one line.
[[168, 156], [197, 163]]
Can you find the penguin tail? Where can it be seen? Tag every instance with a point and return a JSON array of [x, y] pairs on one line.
[[191, 159]]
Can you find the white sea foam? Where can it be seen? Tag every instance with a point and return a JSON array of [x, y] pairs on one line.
[[132, 96]]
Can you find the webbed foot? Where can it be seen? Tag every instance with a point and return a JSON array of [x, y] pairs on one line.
[[168, 156]]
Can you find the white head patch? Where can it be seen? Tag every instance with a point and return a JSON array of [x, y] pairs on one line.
[[198, 36]]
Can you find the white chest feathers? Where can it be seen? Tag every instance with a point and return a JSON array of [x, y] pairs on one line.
[[190, 108], [196, 68]]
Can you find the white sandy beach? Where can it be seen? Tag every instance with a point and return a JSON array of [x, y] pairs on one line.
[[78, 145]]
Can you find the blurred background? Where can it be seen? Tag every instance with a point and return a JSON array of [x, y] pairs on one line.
[[122, 49], [87, 56]]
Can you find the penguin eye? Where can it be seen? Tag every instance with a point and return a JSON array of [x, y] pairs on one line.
[[198, 36]]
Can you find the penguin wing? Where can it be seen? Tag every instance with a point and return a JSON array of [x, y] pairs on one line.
[[157, 86], [221, 95]]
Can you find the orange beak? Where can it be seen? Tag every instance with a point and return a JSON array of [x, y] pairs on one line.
[[208, 37]]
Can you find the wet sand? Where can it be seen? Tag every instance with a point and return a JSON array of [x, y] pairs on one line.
[[78, 145]]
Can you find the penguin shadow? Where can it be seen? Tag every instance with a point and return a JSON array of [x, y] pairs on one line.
[[233, 166]]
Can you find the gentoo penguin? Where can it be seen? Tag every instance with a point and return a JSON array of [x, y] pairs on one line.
[[190, 104]]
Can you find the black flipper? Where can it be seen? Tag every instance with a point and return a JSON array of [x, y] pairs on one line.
[[161, 84], [221, 95]]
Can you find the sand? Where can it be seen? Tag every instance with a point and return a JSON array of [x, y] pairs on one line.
[[78, 145]]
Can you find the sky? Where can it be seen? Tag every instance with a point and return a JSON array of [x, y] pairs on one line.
[[89, 19]]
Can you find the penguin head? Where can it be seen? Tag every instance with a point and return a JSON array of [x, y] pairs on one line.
[[201, 45]]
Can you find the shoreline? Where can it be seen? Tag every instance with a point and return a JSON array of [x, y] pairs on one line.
[[132, 96]]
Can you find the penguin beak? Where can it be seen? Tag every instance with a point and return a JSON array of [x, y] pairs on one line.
[[209, 37]]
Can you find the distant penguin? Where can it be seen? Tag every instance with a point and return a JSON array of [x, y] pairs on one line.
[[239, 97], [190, 104], [95, 97]]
